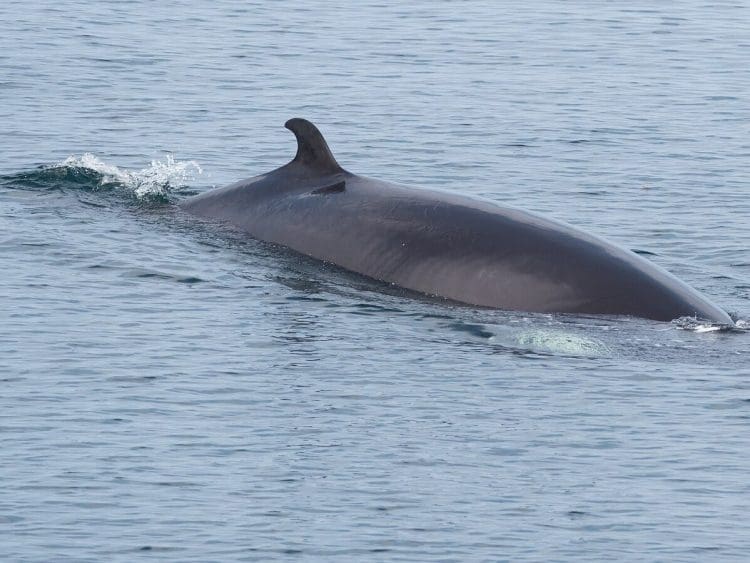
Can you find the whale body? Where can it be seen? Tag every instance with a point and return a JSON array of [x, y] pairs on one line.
[[442, 244]]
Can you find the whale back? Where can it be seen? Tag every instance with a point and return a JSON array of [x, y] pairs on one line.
[[444, 244]]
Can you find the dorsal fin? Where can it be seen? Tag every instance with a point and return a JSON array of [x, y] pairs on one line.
[[312, 149]]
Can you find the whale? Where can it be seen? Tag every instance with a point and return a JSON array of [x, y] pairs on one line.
[[442, 244]]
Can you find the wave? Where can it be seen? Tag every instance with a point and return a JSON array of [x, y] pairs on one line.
[[156, 182]]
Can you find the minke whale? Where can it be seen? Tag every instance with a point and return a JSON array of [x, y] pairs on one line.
[[443, 244]]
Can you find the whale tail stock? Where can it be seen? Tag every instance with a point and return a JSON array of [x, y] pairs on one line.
[[312, 149]]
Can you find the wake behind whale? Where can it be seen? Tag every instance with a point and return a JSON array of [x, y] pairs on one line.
[[443, 244]]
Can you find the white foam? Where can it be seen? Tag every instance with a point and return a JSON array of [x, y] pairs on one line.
[[707, 328]]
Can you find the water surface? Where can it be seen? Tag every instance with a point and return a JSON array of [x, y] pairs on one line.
[[173, 390]]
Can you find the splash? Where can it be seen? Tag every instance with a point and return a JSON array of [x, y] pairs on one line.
[[156, 181], [694, 325]]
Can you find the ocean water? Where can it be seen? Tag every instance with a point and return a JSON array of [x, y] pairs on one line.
[[174, 391]]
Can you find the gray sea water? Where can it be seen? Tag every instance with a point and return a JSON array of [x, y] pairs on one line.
[[173, 391]]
